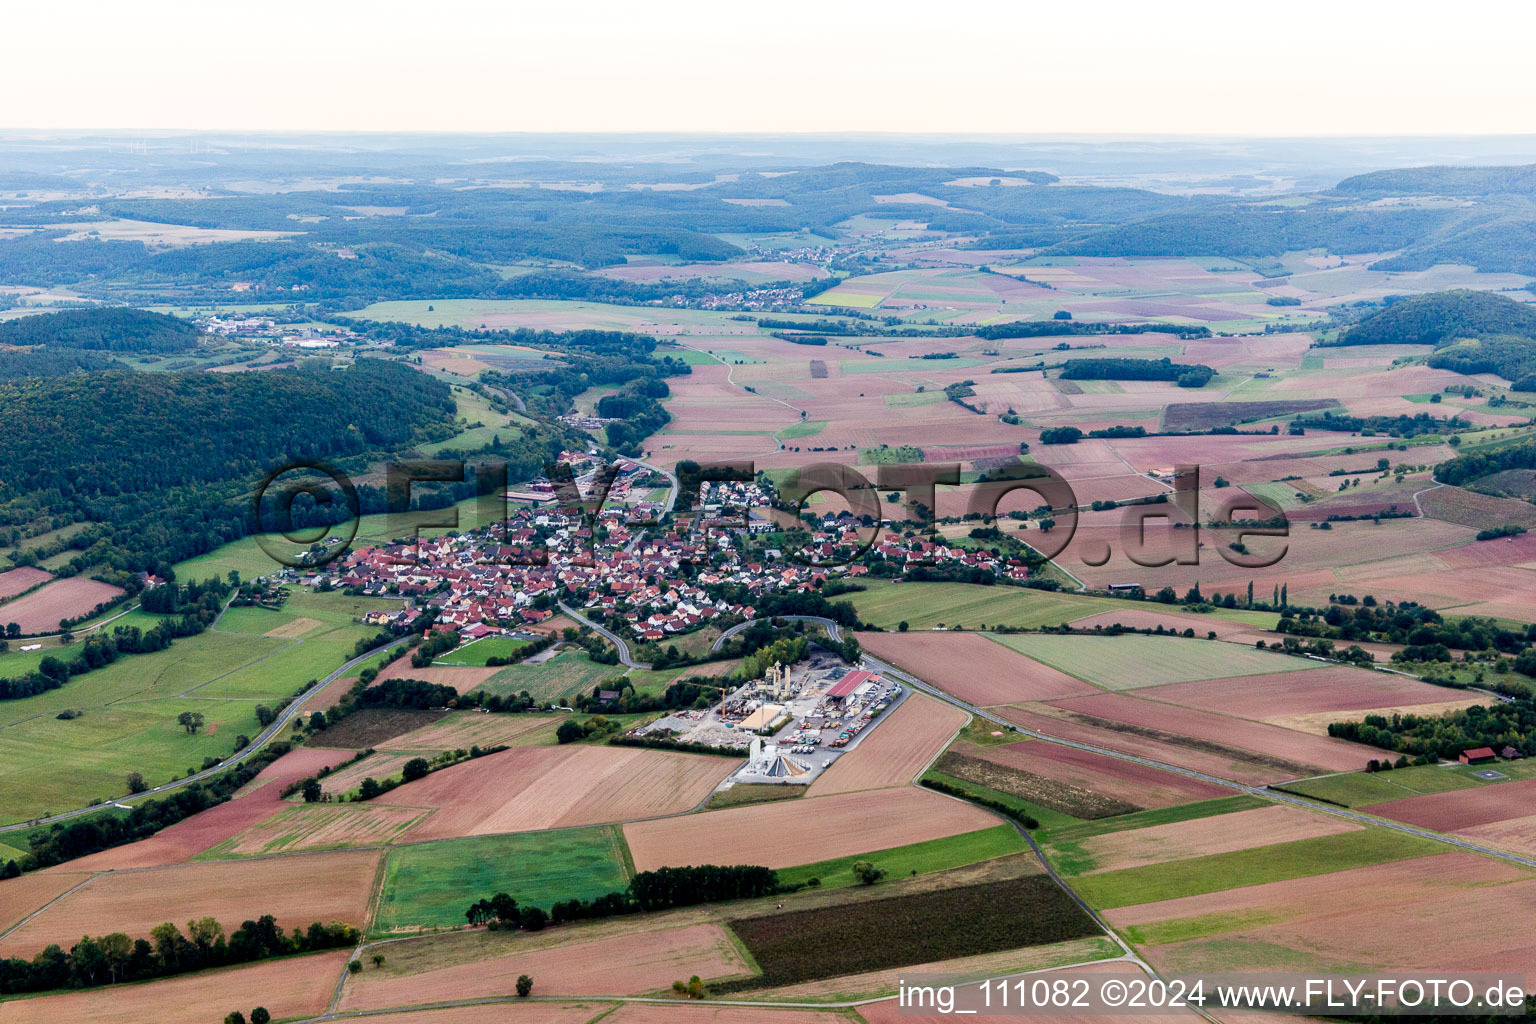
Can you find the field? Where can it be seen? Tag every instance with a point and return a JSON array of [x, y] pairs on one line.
[[1282, 749], [565, 673], [16, 581], [1200, 837], [1118, 781], [1317, 919], [775, 835], [295, 890], [477, 653], [21, 896], [465, 729], [529, 788], [926, 605], [321, 827], [972, 667], [917, 858], [897, 748], [289, 988], [961, 763], [41, 610], [1129, 662], [562, 961], [805, 945], [1280, 696], [428, 886], [1462, 808], [1218, 871]]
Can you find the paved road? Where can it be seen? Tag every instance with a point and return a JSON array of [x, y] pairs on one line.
[[609, 635], [671, 479], [832, 628], [283, 718]]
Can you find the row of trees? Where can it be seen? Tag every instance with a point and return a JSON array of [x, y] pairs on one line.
[[109, 959]]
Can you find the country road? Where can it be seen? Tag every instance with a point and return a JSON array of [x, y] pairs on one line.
[[283, 718], [833, 630], [609, 635]]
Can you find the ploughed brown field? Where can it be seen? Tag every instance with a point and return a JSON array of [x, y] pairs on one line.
[[504, 1013], [530, 788], [473, 965], [1462, 808], [258, 800], [973, 668], [21, 896], [1283, 746], [292, 987], [696, 1013], [779, 835], [298, 891], [1136, 618], [1282, 694], [1132, 783], [464, 679], [896, 748], [43, 609], [14, 581]]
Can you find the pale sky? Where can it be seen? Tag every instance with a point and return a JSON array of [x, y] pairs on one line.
[[1341, 67]]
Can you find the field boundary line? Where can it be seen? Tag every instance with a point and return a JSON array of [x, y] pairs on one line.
[[95, 875]]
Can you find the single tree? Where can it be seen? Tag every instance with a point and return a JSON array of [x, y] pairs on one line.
[[311, 790], [190, 721], [378, 959], [235, 1018], [353, 966], [370, 788], [136, 782], [524, 985], [415, 768], [260, 1016], [867, 873]]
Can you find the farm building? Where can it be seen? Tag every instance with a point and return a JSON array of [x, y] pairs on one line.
[[1478, 755]]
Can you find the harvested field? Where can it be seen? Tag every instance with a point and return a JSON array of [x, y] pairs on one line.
[[1037, 789], [972, 667], [296, 890], [774, 834], [21, 896], [1338, 688], [1317, 722], [469, 728], [15, 581], [794, 946], [1341, 892], [42, 610], [1156, 745], [1463, 808], [479, 964], [1515, 834], [506, 1013], [1129, 662], [642, 1013], [1282, 748], [1107, 777], [895, 750], [322, 827], [289, 988], [528, 788], [256, 801], [1169, 620], [371, 727], [1221, 833], [1325, 934], [464, 680]]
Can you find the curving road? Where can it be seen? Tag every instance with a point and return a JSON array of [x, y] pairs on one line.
[[606, 634], [833, 630], [271, 731]]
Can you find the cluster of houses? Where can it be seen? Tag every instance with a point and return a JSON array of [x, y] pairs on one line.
[[512, 574]]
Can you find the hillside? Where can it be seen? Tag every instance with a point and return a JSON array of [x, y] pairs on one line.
[[114, 329], [1441, 317], [1443, 181], [162, 460]]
